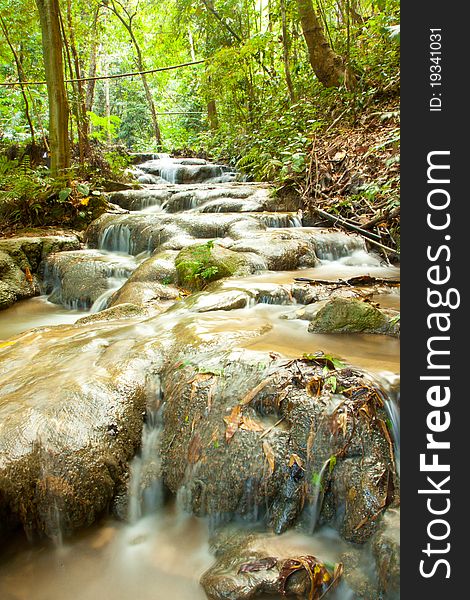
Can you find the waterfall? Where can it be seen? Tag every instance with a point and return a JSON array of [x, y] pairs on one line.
[[145, 492], [116, 238]]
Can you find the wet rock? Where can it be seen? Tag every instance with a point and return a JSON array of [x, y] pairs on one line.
[[276, 476], [78, 279], [19, 261], [30, 251], [14, 284], [142, 293], [248, 565], [122, 311], [160, 267], [348, 315], [221, 300], [182, 171], [225, 581], [67, 432], [386, 550], [140, 199]]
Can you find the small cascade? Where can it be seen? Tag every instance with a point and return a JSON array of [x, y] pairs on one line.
[[317, 495], [102, 302], [334, 245], [116, 238], [281, 220], [145, 492], [392, 406]]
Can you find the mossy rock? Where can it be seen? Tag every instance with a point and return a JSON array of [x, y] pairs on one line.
[[200, 264], [349, 315]]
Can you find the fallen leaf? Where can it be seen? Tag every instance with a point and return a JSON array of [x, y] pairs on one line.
[[313, 387], [255, 391], [319, 576], [249, 424], [29, 277], [263, 564], [194, 449], [295, 460], [270, 457], [6, 344], [233, 422], [341, 423]]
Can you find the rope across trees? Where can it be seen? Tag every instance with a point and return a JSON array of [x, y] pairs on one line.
[[100, 77]]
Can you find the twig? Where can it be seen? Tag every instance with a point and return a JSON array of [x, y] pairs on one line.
[[268, 431]]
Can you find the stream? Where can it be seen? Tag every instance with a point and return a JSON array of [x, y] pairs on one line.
[[133, 320]]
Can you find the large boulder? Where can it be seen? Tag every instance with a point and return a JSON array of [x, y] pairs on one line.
[[221, 448], [200, 264], [15, 284], [20, 258], [79, 279], [72, 400]]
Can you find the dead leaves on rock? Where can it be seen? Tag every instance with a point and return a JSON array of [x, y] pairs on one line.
[[263, 564], [255, 391], [236, 420], [321, 580], [232, 422], [295, 460], [249, 424]]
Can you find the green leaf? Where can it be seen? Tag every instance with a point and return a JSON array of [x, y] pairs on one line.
[[64, 194], [83, 189]]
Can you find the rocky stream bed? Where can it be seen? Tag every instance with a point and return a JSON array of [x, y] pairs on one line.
[[224, 404]]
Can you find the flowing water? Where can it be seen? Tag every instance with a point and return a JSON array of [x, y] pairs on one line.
[[162, 551]]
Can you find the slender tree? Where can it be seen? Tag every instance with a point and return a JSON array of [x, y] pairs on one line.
[[326, 64], [127, 16], [57, 96]]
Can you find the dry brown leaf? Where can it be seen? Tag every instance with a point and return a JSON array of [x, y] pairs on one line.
[[249, 424], [341, 423], [270, 457], [233, 422], [313, 387], [194, 449], [255, 391], [295, 460], [29, 277]]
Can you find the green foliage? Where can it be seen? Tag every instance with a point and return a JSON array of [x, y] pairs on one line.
[[30, 198], [104, 128], [196, 265]]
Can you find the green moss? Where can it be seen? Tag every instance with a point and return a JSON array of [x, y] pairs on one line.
[[343, 315], [201, 264]]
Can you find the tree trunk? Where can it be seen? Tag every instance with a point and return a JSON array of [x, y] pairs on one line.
[[82, 123], [128, 24], [212, 115], [327, 65], [286, 49], [57, 96], [90, 88]]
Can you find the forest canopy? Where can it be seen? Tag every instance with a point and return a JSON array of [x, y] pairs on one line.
[[252, 83]]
